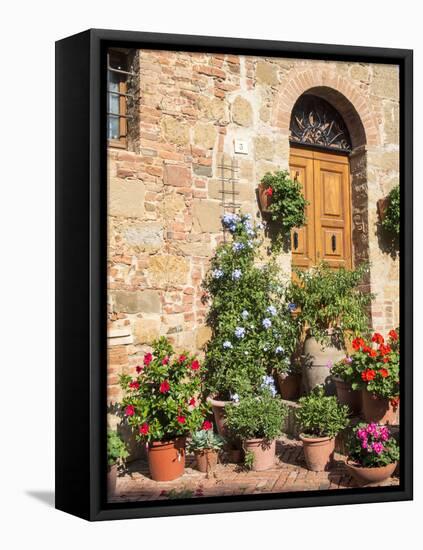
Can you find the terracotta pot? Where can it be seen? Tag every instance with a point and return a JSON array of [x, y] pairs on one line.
[[218, 408], [347, 396], [318, 452], [315, 365], [289, 386], [111, 480], [382, 207], [263, 451], [370, 475], [264, 200], [206, 460], [166, 459], [378, 409], [235, 456]]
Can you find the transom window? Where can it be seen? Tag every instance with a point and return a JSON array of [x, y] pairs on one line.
[[117, 96]]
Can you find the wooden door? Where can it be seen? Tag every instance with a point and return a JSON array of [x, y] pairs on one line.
[[326, 237]]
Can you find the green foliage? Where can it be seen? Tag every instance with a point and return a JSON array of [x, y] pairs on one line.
[[344, 370], [391, 221], [372, 446], [260, 416], [205, 439], [161, 400], [287, 204], [249, 460], [320, 415], [252, 329], [331, 299], [116, 448]]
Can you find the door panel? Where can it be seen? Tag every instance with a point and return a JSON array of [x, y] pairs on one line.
[[326, 184]]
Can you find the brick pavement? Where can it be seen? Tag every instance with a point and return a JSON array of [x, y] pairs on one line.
[[289, 474]]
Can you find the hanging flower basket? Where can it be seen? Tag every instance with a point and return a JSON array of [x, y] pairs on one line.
[[265, 198], [382, 207]]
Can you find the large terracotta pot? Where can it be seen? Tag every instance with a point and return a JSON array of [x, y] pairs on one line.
[[378, 409], [206, 460], [370, 475], [166, 459], [318, 452], [218, 408], [263, 451], [316, 365], [264, 200], [111, 480], [347, 396], [289, 386]]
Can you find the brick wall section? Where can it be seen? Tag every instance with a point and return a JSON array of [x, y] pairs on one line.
[[164, 201]]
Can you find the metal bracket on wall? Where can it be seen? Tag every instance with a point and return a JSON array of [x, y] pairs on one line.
[[228, 176]]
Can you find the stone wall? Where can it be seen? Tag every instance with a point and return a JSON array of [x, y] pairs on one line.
[[164, 194]]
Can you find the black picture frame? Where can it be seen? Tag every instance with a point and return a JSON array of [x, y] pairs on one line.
[[81, 273]]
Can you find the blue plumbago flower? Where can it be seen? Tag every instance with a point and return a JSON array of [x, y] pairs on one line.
[[279, 349], [269, 383], [217, 273], [271, 310], [227, 344], [245, 314], [238, 246], [229, 221], [236, 274], [267, 323], [240, 332], [292, 306], [234, 397]]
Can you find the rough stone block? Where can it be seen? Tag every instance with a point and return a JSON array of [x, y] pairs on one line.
[[147, 330], [145, 236], [206, 216], [177, 176], [267, 73], [138, 301], [242, 112], [264, 148], [205, 135], [175, 131], [126, 198], [165, 269]]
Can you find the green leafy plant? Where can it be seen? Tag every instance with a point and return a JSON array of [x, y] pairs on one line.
[[287, 205], [116, 448], [205, 440], [320, 415], [331, 304], [162, 400], [253, 331], [261, 416], [391, 220], [249, 460], [372, 446], [375, 365], [344, 370]]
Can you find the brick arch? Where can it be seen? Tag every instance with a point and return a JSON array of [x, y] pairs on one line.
[[337, 90]]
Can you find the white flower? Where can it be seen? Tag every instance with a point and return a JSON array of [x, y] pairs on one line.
[[267, 323], [245, 314]]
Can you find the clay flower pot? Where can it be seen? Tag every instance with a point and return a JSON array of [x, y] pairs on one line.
[[382, 207], [289, 386], [347, 396], [206, 460], [378, 409], [263, 451], [218, 408], [318, 452], [365, 476], [264, 199], [111, 480], [166, 459], [316, 363]]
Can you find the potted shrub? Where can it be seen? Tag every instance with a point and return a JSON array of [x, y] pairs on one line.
[[205, 445], [258, 421], [162, 406], [331, 307], [376, 367], [343, 374], [253, 332], [289, 381], [116, 453], [321, 418], [373, 453], [283, 198]]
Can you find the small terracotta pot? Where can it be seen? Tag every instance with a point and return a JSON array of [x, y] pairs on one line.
[[111, 480], [347, 396], [318, 452], [382, 207], [378, 409], [218, 408], [206, 460], [263, 451], [264, 199], [365, 476], [166, 459], [235, 456], [289, 386]]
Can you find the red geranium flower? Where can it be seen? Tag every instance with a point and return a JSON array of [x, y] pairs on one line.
[[207, 425], [269, 192], [130, 410], [384, 373], [144, 428], [138, 369], [395, 402], [357, 343], [372, 353], [134, 385], [191, 402], [378, 338], [367, 349], [181, 419], [195, 365], [165, 360], [384, 349], [148, 358], [182, 358], [393, 335], [368, 375], [385, 359], [164, 387]]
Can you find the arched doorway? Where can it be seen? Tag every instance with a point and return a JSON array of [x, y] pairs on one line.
[[320, 148]]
